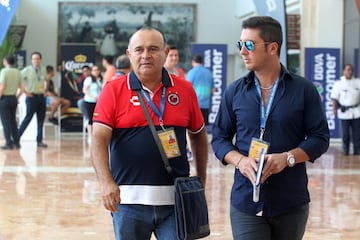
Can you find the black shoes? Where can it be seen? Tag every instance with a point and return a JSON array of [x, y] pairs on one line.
[[7, 147], [42, 145], [17, 146], [54, 120]]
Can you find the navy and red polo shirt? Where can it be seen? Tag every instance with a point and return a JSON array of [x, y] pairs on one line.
[[135, 160]]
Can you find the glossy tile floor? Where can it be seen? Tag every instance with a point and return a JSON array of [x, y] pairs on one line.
[[53, 194]]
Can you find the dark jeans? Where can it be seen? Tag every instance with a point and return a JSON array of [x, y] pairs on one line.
[[350, 128], [8, 105], [35, 104], [287, 226], [89, 107]]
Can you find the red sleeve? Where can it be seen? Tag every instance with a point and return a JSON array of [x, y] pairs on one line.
[[105, 106]]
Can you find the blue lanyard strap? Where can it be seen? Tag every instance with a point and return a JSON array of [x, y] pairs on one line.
[[37, 72], [264, 111], [158, 112]]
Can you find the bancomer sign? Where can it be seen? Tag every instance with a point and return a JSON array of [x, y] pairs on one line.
[[322, 67], [215, 59]]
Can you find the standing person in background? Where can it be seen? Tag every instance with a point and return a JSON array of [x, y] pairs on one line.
[[53, 99], [110, 70], [346, 106], [34, 78], [172, 61], [273, 111], [91, 89], [123, 65], [203, 82], [86, 72], [135, 185], [10, 83]]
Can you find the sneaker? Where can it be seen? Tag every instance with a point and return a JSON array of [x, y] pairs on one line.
[[17, 145], [54, 120], [41, 144]]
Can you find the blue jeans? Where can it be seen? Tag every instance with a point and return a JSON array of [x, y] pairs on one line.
[[138, 222], [287, 226]]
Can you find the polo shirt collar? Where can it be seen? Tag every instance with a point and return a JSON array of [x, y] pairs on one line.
[[135, 83]]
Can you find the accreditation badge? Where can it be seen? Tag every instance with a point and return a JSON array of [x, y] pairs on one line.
[[40, 87], [255, 147], [169, 142]]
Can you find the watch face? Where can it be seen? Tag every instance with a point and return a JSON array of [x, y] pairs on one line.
[[291, 161]]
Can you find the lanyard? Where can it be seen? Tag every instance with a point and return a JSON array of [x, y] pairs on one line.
[[158, 112], [37, 72], [264, 111]]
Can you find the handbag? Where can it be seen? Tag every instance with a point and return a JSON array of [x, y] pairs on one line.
[[191, 212]]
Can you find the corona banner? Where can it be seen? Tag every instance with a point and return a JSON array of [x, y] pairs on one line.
[[215, 59], [322, 67], [73, 58]]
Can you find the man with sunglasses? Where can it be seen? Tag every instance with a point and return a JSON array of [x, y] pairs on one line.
[[278, 114]]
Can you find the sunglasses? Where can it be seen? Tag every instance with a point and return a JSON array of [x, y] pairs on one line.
[[250, 45]]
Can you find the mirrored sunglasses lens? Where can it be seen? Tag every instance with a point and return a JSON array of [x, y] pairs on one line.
[[249, 45]]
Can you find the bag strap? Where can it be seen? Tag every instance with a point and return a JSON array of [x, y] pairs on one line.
[[153, 131]]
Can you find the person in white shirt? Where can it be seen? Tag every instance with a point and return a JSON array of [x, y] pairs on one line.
[[346, 106]]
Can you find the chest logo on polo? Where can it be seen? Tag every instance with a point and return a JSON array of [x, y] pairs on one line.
[[135, 101], [173, 99]]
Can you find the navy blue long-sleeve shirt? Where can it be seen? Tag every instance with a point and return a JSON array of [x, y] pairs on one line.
[[296, 119]]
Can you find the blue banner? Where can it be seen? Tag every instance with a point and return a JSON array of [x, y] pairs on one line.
[[215, 59], [7, 10], [322, 67], [276, 10]]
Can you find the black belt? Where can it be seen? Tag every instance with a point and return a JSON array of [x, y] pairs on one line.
[[8, 95], [37, 95], [344, 108]]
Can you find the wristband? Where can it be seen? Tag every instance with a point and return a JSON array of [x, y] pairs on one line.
[[237, 163]]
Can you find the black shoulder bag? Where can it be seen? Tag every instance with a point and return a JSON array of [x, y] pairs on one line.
[[191, 210]]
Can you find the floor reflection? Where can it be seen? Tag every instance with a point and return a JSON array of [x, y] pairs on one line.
[[53, 193]]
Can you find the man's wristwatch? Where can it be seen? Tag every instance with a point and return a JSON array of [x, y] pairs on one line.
[[290, 159]]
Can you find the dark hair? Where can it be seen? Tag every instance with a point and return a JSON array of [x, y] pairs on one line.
[[172, 47], [122, 62], [85, 66], [36, 53], [93, 79], [269, 29], [49, 68], [109, 58], [198, 58], [10, 60], [348, 65]]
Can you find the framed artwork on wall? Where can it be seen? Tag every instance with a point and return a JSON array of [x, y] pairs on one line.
[[109, 25]]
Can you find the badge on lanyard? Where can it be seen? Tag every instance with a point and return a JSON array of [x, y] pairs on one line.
[[40, 87], [256, 146], [169, 142]]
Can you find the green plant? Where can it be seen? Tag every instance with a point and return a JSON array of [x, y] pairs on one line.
[[7, 48]]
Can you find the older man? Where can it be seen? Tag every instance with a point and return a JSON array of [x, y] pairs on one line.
[[135, 185]]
